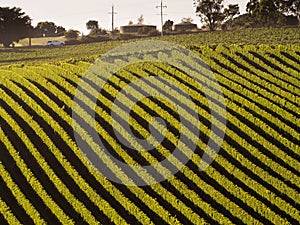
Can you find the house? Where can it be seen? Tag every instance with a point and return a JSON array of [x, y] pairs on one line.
[[186, 26]]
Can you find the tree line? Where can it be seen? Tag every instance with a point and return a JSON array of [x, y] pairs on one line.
[[15, 24], [260, 13]]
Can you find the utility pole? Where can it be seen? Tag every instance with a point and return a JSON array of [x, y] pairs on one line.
[[113, 13], [162, 6]]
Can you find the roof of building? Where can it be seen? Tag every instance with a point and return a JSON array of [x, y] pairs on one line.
[[138, 25]]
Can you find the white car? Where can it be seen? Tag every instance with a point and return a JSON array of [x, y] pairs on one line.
[[55, 43]]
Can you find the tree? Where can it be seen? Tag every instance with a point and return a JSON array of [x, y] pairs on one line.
[[94, 28], [60, 30], [47, 29], [211, 12], [186, 20], [266, 12], [92, 25], [168, 25], [130, 22], [14, 25], [72, 34], [241, 22], [290, 7], [232, 11], [141, 19], [252, 7], [268, 7], [294, 7]]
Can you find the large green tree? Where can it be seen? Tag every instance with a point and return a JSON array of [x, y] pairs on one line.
[[212, 12], [94, 28], [60, 30], [92, 25], [48, 29], [14, 25], [272, 12]]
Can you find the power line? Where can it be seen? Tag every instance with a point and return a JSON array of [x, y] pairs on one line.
[[162, 6]]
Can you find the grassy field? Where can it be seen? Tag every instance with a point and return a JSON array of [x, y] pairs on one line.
[[38, 41], [254, 179]]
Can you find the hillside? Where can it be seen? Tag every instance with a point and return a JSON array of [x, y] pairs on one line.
[[48, 177]]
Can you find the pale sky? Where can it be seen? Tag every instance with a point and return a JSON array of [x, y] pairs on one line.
[[74, 14]]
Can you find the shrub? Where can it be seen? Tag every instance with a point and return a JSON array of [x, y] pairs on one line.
[[72, 34]]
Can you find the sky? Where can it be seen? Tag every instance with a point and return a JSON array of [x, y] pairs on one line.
[[74, 14]]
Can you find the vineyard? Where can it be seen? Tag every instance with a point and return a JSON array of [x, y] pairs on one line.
[[254, 179]]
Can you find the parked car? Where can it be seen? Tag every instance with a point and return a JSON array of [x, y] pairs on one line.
[[55, 43]]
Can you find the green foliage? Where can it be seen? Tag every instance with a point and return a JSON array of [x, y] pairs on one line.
[[48, 29], [232, 11], [168, 25], [99, 31], [60, 30], [14, 25], [212, 12], [272, 13], [92, 25], [72, 34]]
